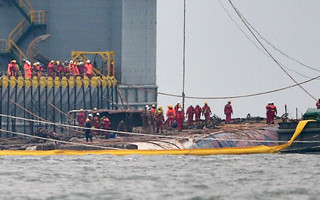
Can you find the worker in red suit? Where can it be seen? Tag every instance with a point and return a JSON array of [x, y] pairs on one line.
[[59, 69], [111, 68], [96, 123], [81, 118], [318, 104], [88, 69], [197, 113], [159, 121], [206, 111], [170, 116], [228, 111], [190, 113], [268, 112], [180, 118], [105, 124], [273, 112], [74, 71], [51, 69], [27, 69], [13, 68], [153, 109]]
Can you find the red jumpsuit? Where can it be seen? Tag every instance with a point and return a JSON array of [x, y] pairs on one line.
[[206, 111], [318, 104], [197, 112], [268, 113], [106, 125], [111, 70], [74, 71], [180, 118], [190, 113], [27, 70], [96, 123], [88, 69], [273, 112], [228, 111], [171, 116], [81, 119], [159, 122], [51, 69], [12, 69]]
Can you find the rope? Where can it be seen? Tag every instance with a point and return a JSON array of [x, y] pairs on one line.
[[242, 19], [226, 97], [152, 135], [54, 140]]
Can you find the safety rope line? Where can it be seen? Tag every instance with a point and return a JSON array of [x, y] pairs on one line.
[[242, 19], [225, 97], [159, 136], [59, 141]]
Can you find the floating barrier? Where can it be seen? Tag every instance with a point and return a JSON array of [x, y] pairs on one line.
[[200, 152]]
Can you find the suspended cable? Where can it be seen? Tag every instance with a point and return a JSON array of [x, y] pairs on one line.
[[242, 19]]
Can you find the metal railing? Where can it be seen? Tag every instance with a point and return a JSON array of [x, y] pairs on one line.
[[3, 46], [38, 17], [26, 5], [18, 31], [17, 51]]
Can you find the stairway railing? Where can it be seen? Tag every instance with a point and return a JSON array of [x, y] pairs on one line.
[[38, 17], [18, 32], [26, 5], [17, 51]]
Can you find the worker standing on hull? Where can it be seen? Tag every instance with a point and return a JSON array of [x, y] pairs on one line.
[[190, 114], [197, 113], [318, 104], [88, 126], [81, 118], [27, 69], [268, 112], [12, 68], [170, 116], [206, 111], [228, 111], [273, 112], [180, 118], [88, 69], [159, 121]]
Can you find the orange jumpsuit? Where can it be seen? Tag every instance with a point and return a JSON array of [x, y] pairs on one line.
[[27, 70]]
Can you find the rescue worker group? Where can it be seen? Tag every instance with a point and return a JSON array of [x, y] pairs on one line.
[[54, 68]]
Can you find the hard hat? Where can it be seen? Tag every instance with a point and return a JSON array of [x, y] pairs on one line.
[[160, 107], [205, 103], [81, 109], [179, 106], [52, 61], [95, 109], [58, 62], [153, 106], [97, 114], [159, 111], [14, 61], [229, 101], [71, 61], [90, 115], [81, 63], [88, 61]]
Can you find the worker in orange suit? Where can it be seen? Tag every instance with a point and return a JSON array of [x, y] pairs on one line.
[[12, 68], [190, 113], [51, 69], [180, 118], [96, 123], [228, 111], [74, 71], [318, 104], [81, 118], [171, 116], [206, 111], [88, 69], [197, 113], [273, 112], [153, 109], [27, 69], [159, 121], [106, 126]]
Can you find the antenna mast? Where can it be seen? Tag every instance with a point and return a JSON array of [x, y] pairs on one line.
[[184, 51]]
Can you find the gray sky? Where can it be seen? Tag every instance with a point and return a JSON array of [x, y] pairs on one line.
[[222, 61]]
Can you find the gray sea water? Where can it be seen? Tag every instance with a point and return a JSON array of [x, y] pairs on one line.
[[265, 176]]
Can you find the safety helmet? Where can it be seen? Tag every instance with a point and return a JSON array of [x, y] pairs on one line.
[[159, 111], [229, 101], [205, 103], [81, 63], [90, 115], [71, 61], [14, 61], [95, 108], [160, 107], [98, 114], [88, 61], [58, 62], [52, 61], [81, 109], [179, 106], [87, 120], [153, 106]]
